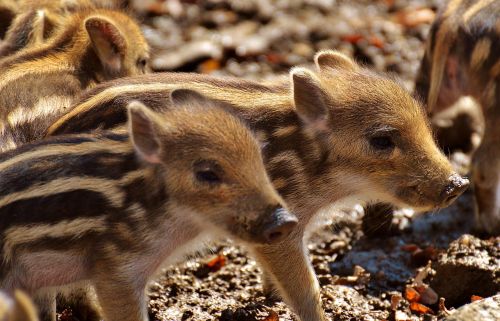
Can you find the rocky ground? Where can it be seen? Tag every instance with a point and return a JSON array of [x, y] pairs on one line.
[[384, 278], [364, 275]]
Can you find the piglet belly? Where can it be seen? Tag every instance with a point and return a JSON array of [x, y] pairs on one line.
[[52, 268]]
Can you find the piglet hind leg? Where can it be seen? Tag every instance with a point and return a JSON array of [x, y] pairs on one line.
[[286, 267], [45, 302], [82, 302], [486, 176], [487, 194]]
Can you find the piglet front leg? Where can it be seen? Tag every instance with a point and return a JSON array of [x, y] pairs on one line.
[[122, 297], [286, 266]]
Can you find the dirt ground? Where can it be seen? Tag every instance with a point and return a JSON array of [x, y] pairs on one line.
[[359, 276], [380, 277]]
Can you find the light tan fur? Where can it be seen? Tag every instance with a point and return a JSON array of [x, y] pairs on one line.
[[480, 53], [472, 10], [445, 36]]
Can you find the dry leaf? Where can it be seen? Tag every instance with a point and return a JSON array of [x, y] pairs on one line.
[[410, 248], [217, 263], [411, 294], [209, 66], [273, 316], [420, 308], [475, 298], [354, 38], [377, 42], [274, 58], [395, 299]]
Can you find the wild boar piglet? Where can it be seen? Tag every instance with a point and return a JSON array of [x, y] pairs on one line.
[[462, 58], [34, 22], [39, 83], [111, 208]]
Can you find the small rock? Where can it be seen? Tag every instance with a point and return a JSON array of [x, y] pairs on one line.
[[470, 267], [196, 50], [349, 304], [482, 310]]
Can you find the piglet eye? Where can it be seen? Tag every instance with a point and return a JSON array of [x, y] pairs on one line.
[[208, 172], [207, 176], [382, 143]]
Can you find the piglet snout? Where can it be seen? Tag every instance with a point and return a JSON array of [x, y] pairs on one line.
[[278, 225], [457, 185]]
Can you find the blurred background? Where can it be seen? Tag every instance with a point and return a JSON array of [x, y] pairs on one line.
[[261, 38]]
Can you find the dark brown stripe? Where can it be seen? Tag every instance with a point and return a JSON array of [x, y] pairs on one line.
[[18, 34], [7, 15], [51, 209], [59, 140], [147, 192], [110, 114], [106, 165], [59, 44]]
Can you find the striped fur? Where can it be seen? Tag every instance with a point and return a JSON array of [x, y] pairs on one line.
[[36, 21], [38, 84], [111, 208], [461, 54], [462, 58], [316, 130], [30, 28], [8, 11]]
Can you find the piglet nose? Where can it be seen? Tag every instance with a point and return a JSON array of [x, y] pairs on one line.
[[457, 185], [279, 226]]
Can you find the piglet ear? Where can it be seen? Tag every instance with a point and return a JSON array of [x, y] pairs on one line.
[[187, 96], [107, 41], [308, 97], [144, 130], [330, 59]]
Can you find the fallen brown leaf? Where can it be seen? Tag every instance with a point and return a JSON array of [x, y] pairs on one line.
[[410, 247], [377, 42], [209, 66], [475, 298], [395, 299], [411, 294], [273, 316], [420, 308], [354, 38], [217, 263]]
